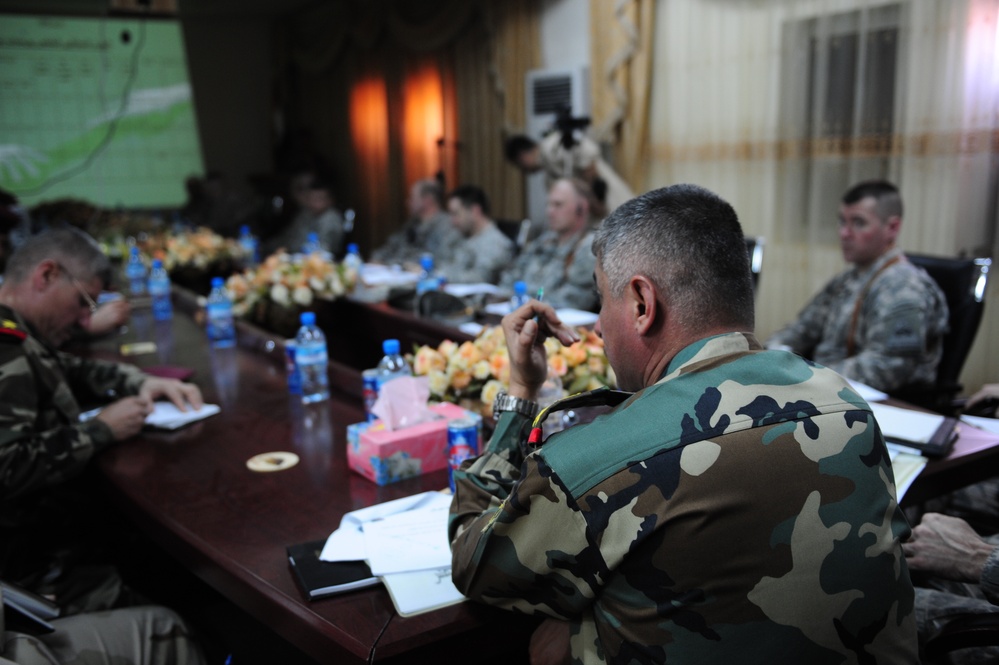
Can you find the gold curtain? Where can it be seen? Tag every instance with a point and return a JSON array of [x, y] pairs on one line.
[[621, 80], [453, 77]]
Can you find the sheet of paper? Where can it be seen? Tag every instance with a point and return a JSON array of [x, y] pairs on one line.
[[374, 274], [167, 416], [407, 541], [462, 290], [347, 542], [576, 317], [987, 424], [422, 590], [471, 328], [498, 308], [906, 424], [869, 394], [907, 464]]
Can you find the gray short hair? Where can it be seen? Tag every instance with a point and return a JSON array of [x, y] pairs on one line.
[[69, 246], [688, 241]]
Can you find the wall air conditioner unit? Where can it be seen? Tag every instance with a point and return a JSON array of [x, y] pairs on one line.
[[547, 91]]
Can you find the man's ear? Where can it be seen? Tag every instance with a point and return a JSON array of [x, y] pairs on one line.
[[644, 307], [44, 274], [894, 224]]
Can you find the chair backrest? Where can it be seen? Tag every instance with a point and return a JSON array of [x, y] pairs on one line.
[[963, 284], [442, 305], [754, 246]]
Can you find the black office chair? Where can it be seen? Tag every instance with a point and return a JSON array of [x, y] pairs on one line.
[[963, 284], [755, 245], [518, 232]]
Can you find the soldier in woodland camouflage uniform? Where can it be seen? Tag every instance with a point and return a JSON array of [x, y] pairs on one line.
[[561, 259], [429, 230], [882, 321], [48, 291], [739, 508]]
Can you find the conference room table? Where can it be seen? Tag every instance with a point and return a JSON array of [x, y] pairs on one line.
[[191, 492]]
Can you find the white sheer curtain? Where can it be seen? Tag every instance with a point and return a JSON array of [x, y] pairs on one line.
[[779, 106]]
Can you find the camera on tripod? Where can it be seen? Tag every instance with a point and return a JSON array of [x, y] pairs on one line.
[[567, 125]]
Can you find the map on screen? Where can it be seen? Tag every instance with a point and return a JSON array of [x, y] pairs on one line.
[[96, 109]]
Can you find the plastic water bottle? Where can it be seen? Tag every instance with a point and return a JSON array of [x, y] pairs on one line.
[[519, 295], [353, 261], [221, 327], [428, 280], [159, 290], [392, 364], [312, 244], [135, 272], [311, 360], [248, 242]]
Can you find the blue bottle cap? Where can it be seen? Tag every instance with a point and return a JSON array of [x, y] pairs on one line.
[[427, 262], [352, 248], [520, 287], [244, 229], [217, 282], [307, 318], [157, 263], [390, 347]]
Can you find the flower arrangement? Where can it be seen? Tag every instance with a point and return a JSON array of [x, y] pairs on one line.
[[289, 282], [197, 248], [473, 372]]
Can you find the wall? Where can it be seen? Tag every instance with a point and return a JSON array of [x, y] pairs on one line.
[[565, 33]]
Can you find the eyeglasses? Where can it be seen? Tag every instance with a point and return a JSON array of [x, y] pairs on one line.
[[85, 299]]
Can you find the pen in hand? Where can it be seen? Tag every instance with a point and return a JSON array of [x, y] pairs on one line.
[[542, 324]]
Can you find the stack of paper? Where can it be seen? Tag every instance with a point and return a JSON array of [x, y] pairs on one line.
[[405, 543], [167, 416]]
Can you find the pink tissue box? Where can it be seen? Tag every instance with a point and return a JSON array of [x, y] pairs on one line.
[[384, 456]]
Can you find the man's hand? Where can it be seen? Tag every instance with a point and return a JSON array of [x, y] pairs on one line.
[[988, 391], [109, 317], [126, 416], [525, 342], [178, 392], [947, 547]]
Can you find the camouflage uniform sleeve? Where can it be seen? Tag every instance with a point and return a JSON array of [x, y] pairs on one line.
[[41, 444], [96, 381], [330, 230], [806, 331], [990, 574], [898, 320], [494, 509], [577, 289], [480, 259]]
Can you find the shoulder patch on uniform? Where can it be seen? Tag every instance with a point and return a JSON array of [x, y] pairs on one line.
[[905, 334], [11, 332]]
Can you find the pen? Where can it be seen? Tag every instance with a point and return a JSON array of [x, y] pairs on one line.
[[542, 326]]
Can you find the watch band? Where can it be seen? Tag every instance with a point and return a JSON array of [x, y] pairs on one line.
[[524, 407]]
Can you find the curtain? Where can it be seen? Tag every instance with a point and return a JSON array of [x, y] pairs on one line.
[[449, 76], [780, 106], [621, 53]]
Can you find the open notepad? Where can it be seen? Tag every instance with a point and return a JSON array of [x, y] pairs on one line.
[[931, 434], [405, 543]]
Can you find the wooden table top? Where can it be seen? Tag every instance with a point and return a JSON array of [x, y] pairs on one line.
[[192, 493]]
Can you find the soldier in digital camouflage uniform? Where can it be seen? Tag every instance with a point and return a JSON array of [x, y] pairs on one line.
[[48, 292], [739, 508], [882, 321], [483, 252], [560, 260], [429, 230]]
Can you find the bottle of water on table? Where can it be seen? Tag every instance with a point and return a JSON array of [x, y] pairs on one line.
[[311, 360], [392, 364], [159, 291], [135, 273], [353, 260], [248, 242], [221, 326], [429, 280], [519, 295]]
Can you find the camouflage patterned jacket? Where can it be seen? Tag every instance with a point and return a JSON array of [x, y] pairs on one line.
[[740, 510], [435, 235], [564, 270], [898, 334], [480, 258], [42, 442]]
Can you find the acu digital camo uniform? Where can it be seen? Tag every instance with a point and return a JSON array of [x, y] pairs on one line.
[[740, 510], [435, 235], [899, 330], [479, 258], [564, 270]]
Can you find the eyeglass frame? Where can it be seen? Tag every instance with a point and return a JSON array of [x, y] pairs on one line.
[[90, 302]]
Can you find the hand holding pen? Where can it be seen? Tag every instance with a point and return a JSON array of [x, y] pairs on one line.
[[526, 329]]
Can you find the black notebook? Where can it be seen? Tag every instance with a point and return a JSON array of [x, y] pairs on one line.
[[324, 578]]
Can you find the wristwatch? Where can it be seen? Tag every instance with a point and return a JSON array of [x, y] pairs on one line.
[[524, 407]]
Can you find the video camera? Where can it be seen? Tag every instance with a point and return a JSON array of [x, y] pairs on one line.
[[567, 125]]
